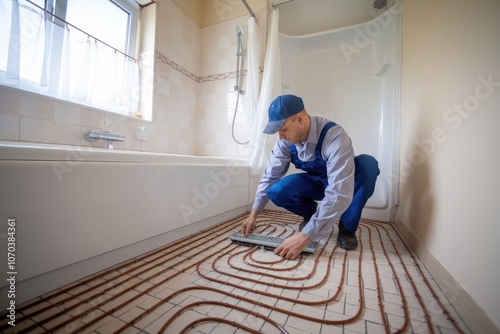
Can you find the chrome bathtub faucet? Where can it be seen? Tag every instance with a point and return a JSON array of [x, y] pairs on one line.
[[110, 137]]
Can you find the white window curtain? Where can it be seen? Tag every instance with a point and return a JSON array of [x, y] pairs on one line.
[[260, 143], [44, 55]]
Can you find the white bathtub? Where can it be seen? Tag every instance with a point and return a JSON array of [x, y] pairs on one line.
[[79, 210]]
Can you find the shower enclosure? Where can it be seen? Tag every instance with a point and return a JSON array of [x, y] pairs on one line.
[[351, 76]]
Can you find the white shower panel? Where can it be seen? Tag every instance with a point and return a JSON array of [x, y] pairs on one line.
[[352, 79]]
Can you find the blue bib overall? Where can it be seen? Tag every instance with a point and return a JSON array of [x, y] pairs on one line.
[[318, 165], [298, 193]]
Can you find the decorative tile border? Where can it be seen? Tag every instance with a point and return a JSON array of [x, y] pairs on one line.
[[213, 77]]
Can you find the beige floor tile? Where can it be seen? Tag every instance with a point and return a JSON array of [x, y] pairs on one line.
[[257, 289]]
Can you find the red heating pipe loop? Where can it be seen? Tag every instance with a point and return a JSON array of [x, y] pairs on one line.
[[281, 260], [404, 303], [433, 293], [325, 278], [48, 297], [239, 308], [297, 264], [218, 320], [288, 287], [343, 321], [261, 264], [415, 289], [28, 305], [23, 308], [251, 301], [143, 314], [249, 255], [100, 293], [379, 288], [123, 304]]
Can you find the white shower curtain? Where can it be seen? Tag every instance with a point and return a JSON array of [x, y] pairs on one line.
[[260, 143], [251, 95]]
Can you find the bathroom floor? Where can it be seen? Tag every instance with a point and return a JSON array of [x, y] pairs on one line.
[[206, 284]]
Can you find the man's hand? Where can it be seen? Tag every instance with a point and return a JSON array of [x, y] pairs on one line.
[[293, 246], [249, 224]]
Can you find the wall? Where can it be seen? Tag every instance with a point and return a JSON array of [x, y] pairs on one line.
[[449, 148], [177, 66], [192, 8], [34, 118], [217, 97], [195, 75]]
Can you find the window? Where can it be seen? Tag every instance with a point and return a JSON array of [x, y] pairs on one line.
[[113, 22], [83, 53]]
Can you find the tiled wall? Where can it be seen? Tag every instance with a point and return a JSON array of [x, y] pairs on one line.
[[193, 103], [34, 118], [195, 97], [217, 97]]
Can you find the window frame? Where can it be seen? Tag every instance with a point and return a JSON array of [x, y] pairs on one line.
[[128, 6], [133, 9]]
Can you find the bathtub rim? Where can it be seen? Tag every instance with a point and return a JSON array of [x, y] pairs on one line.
[[31, 151]]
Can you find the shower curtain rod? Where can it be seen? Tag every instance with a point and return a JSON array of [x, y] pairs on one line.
[[249, 10], [89, 35], [275, 4]]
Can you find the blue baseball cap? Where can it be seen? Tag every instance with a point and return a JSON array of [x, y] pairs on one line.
[[280, 109]]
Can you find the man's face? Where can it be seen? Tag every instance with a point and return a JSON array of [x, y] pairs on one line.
[[291, 130]]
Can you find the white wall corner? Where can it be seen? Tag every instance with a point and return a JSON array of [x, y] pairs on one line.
[[474, 316]]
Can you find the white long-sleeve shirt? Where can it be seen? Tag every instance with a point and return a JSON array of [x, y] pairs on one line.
[[337, 151]]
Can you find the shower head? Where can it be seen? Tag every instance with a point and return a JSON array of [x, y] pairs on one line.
[[239, 30]]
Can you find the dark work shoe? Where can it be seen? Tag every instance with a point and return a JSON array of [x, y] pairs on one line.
[[346, 240]]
